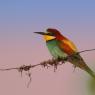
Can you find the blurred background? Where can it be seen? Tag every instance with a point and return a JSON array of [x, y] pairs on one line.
[[19, 45]]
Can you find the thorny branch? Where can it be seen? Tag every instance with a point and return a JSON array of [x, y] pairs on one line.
[[51, 62]]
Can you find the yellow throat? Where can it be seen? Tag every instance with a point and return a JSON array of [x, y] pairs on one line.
[[48, 37]]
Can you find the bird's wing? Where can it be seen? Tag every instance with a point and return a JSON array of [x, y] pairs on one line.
[[68, 46]]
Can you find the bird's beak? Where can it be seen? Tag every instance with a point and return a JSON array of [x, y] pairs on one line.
[[41, 33]]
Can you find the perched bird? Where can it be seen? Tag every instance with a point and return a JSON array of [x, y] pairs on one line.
[[60, 47]]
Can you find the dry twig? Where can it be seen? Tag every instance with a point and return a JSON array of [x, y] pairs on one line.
[[51, 62]]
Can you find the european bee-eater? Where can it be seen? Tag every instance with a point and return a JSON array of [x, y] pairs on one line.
[[60, 47]]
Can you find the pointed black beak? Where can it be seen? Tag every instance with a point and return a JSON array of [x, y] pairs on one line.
[[41, 33]]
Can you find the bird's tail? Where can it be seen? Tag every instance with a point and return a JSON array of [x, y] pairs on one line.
[[78, 61], [87, 69]]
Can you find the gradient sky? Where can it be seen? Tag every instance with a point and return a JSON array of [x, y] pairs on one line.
[[18, 45]]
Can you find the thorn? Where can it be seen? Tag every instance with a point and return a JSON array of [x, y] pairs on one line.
[[20, 69], [21, 73], [55, 68], [74, 68], [30, 78]]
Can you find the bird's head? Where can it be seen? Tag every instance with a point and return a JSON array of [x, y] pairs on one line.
[[51, 34]]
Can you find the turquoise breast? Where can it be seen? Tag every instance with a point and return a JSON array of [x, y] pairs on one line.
[[55, 50]]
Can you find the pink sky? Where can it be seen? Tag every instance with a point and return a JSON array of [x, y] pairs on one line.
[[28, 48]]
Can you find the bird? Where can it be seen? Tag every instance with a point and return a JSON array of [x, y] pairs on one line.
[[61, 47]]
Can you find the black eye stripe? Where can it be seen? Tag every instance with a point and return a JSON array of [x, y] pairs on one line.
[[50, 33]]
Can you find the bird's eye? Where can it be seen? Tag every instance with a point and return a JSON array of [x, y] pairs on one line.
[[50, 33]]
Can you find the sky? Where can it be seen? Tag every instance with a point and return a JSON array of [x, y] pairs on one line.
[[19, 45]]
